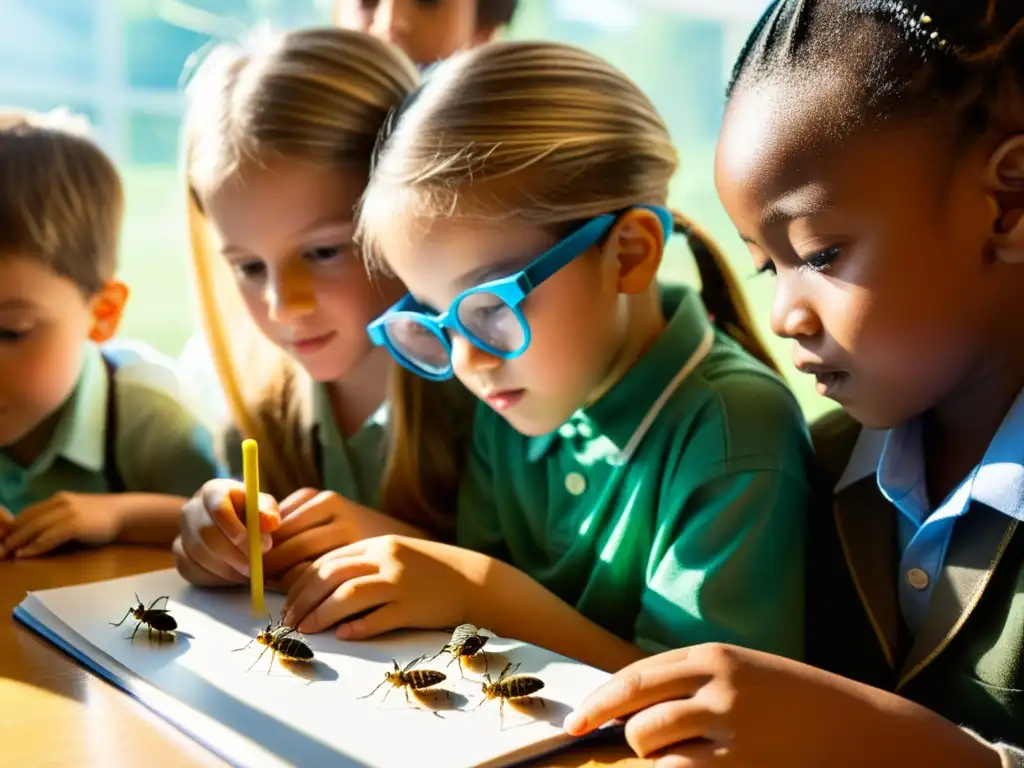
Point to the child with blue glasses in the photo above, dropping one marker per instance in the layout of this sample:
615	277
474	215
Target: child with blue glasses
637	479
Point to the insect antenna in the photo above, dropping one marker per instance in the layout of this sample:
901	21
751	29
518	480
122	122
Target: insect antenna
236	650
122	620
386	679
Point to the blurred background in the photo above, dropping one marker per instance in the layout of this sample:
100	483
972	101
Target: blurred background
121	64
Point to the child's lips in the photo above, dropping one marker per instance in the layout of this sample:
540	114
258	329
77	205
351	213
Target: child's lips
503	399
312	343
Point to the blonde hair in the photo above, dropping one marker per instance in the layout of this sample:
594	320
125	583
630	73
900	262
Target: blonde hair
540	133
321	96
61	199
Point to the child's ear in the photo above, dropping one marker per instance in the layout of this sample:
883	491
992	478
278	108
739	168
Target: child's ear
107	310
637	242
1006	192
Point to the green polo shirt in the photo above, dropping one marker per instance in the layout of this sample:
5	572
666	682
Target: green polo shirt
671	510
350	466
160	447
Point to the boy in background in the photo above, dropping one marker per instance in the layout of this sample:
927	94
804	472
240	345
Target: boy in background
427	30
90	451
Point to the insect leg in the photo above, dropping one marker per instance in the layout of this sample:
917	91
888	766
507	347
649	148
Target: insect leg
137	625
272	655
153	604
122	620
258	658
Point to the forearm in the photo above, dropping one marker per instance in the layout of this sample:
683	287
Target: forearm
149	518
513	605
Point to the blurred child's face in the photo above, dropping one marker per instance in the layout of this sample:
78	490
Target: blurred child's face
880	242
44	322
426	30
285	228
577	319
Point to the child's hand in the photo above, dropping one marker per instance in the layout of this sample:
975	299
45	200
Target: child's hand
6	520
313	524
86	517
402	582
719	706
213	548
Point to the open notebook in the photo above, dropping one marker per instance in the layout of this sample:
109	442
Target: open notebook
307	716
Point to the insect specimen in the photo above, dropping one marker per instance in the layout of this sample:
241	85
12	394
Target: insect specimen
407	677
154	618
510	686
278	641
466	642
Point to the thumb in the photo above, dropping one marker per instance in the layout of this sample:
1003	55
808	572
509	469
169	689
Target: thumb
270	516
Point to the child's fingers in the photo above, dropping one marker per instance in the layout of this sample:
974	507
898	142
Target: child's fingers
218	575
313	513
388	617
313	587
668	723
295	500
28	531
638	686
357	595
270	518
216	502
60	533
306	546
40	508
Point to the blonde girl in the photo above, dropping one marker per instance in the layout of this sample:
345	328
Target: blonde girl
637	479
279	136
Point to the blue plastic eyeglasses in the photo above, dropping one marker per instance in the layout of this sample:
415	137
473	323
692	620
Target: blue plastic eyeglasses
488	315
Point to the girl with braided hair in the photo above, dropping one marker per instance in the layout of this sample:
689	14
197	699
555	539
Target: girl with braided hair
872	157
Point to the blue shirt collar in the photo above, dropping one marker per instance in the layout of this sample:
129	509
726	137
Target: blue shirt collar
997	482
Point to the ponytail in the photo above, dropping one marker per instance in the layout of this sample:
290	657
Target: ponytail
720	291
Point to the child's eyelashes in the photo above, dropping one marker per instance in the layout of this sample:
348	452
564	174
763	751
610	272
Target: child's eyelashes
250	269
820	260
325	254
13	335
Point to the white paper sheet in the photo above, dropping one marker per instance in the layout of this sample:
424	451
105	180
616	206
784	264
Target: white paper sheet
308	716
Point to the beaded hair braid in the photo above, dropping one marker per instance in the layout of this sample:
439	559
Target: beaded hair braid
964	57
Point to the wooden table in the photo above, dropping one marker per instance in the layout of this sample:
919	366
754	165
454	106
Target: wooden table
54	712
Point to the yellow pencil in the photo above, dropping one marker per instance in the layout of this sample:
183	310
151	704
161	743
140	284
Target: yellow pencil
251	476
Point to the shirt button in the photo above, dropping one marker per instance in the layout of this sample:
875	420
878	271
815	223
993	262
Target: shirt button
918	579
575	483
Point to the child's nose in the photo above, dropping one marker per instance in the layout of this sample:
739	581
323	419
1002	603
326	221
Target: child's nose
469	358
792	316
289	296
